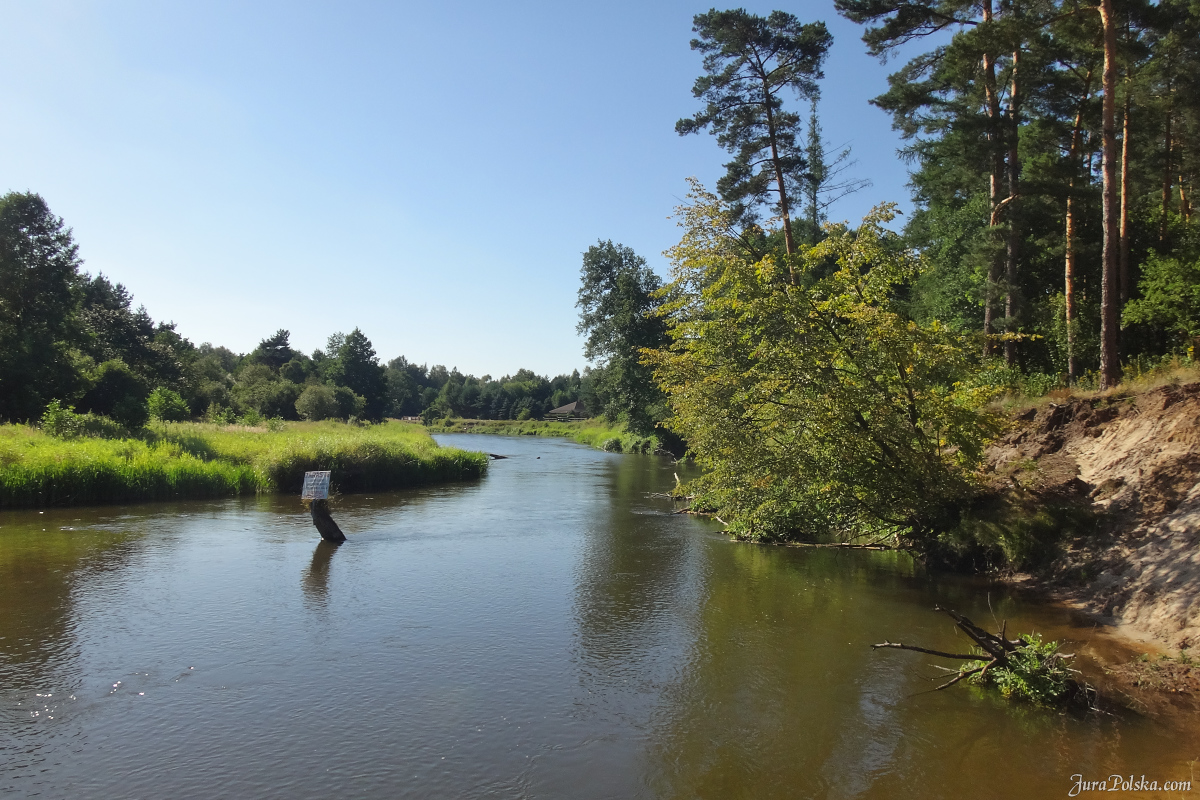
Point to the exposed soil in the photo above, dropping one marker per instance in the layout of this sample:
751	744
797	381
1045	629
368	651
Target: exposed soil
1134	460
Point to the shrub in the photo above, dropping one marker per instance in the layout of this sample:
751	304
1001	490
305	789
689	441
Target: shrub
317	402
166	405
61	421
350	405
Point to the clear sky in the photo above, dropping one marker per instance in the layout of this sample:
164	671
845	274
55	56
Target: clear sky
428	172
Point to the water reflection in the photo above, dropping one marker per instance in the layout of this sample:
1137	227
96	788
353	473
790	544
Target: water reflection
43	562
315	581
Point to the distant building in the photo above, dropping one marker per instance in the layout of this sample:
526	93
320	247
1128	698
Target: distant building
576	410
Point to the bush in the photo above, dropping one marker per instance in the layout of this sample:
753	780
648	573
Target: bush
612	445
349	404
61	421
166	405
317	402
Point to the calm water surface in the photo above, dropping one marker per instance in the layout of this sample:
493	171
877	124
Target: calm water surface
550	631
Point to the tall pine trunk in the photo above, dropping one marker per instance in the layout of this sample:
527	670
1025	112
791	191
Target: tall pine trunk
1125	277
1011	291
1166	179
1069	234
788	241
997	171
1110	306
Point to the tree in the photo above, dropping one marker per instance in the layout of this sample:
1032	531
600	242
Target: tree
40	287
616	311
119	393
362	373
822	183
317	402
166	405
749	63
274	351
816	408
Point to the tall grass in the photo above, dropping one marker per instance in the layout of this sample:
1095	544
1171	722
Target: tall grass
594	433
196	460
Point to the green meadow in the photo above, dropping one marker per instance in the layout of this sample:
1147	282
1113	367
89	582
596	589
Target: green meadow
186	460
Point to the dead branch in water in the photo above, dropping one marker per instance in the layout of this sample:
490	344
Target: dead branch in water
1028	668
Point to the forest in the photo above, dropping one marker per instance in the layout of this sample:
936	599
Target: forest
76	340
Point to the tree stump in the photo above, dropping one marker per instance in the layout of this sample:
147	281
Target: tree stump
328	529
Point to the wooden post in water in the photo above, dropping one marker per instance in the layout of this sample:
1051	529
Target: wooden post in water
316	490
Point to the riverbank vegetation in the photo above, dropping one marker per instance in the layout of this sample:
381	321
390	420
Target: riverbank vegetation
614	438
843	382
167	461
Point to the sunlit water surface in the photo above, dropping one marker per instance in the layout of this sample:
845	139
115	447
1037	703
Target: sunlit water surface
550	631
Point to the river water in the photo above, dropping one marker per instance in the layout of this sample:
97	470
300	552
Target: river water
550	631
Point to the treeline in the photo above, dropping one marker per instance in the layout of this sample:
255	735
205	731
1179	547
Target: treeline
1055	150
75	340
835	381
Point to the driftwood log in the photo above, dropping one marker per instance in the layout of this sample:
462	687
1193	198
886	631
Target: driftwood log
328	529
997	649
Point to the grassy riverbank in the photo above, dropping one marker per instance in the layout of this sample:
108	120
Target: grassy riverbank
197	460
594	433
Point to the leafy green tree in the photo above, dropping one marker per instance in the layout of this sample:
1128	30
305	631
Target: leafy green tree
118	393
39	291
349	404
750	62
112	329
260	390
317	402
1170	289
617	305
167	405
816	409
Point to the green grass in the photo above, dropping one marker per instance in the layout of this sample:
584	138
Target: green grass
197	460
594	433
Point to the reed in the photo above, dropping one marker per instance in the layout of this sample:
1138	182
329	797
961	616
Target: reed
195	460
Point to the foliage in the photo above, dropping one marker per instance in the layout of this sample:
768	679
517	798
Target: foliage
1036	672
118	393
363	376
62	422
749	63
616	305
816	408
39	287
166	405
198	460
316	403
1170	297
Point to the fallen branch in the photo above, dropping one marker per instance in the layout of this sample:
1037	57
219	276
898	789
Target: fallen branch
1024	667
901	646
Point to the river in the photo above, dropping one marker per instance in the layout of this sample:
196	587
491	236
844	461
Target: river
549	631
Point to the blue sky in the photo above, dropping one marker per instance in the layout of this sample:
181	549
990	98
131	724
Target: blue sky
428	172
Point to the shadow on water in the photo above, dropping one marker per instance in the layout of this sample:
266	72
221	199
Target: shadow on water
315	581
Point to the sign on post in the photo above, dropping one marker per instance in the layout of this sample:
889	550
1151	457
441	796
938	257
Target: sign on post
316	486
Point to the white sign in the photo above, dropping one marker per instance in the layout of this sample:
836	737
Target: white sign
316	486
